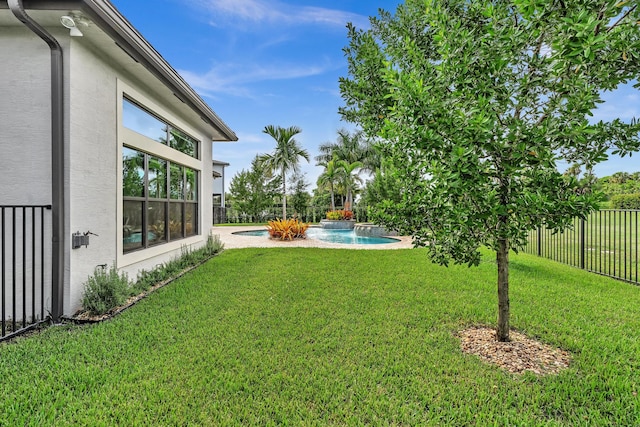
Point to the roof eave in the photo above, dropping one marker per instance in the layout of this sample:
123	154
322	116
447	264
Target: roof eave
136	46
112	22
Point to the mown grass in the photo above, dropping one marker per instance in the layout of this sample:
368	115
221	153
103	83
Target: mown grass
333	337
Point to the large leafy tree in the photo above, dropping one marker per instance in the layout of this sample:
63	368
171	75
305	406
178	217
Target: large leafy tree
477	102
620	183
285	157
252	191
300	198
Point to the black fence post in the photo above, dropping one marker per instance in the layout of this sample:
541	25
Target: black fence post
540	241
582	243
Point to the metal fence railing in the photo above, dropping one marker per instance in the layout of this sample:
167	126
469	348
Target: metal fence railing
25	267
228	215
607	243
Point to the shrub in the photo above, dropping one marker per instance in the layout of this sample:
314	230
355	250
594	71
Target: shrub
287	229
626	201
105	290
187	258
340	215
333	215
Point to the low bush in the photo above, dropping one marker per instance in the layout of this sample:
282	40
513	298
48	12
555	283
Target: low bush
333	215
186	259
625	201
287	229
105	289
340	215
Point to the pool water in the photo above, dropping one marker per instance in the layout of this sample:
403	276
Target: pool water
347	237
137	237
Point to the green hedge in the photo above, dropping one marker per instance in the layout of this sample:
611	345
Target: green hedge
626	201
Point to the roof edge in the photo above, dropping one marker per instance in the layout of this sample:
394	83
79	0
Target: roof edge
130	40
109	19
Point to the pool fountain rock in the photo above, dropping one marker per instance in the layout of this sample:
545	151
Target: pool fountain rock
338	224
372	230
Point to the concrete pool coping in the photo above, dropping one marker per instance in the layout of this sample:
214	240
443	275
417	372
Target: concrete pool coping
235	241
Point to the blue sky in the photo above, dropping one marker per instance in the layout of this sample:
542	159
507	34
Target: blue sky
261	62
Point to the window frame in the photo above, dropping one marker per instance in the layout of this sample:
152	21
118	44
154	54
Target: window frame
150	147
185	203
168	131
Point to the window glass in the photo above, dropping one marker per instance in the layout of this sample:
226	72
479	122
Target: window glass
191	218
183	142
132	225
132	173
156	217
157	178
191	189
143	122
176	182
175	221
160	198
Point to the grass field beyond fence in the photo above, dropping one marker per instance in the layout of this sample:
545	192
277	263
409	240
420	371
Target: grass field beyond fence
607	242
334	337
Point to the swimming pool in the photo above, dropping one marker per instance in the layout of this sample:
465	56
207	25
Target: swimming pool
347	237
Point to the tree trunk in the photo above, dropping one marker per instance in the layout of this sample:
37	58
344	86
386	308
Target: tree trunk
502	258
284	196
333	201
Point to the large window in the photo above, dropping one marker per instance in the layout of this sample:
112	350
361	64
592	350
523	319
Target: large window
160	200
140	120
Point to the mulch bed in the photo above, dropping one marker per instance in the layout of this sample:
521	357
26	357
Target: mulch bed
517	356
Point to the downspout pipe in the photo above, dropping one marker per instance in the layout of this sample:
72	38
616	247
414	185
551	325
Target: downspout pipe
57	159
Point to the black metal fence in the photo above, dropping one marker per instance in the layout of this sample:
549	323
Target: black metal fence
312	214
607	243
25	247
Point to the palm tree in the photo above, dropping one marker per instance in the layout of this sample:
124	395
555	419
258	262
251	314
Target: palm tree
350	147
329	177
285	157
350	179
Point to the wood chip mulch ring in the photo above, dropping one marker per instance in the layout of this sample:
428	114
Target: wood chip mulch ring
517	356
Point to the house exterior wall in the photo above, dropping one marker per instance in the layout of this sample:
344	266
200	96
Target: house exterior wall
92	190
25	169
25	118
95	193
93	138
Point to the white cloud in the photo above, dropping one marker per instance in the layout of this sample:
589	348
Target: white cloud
279	13
232	78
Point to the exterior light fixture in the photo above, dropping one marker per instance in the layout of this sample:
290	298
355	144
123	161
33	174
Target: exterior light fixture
68	22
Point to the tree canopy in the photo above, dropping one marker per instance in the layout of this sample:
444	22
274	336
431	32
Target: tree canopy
253	191
476	102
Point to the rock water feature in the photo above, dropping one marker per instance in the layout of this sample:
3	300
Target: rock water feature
337	224
367	229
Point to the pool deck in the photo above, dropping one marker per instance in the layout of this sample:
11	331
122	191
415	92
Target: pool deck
234	241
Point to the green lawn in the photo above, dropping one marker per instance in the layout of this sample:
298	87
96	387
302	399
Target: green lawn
333	337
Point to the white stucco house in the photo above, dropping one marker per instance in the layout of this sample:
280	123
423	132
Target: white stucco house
98	126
